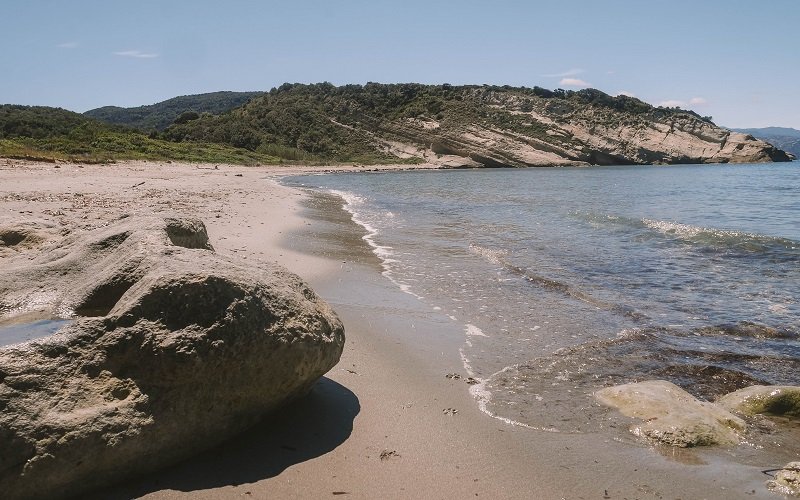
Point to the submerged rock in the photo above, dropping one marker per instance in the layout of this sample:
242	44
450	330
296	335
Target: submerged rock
787	480
183	349
783	400
671	415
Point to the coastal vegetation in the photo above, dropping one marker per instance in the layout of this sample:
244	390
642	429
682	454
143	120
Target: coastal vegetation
50	134
455	126
484	125
161	115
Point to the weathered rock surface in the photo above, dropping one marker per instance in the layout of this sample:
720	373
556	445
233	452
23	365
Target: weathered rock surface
173	350
575	135
764	399
671	415
787	480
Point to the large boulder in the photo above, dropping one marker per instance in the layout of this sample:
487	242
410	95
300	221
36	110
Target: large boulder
783	400
669	415
172	350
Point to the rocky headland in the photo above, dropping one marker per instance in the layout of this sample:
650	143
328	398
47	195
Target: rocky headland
443	125
474	126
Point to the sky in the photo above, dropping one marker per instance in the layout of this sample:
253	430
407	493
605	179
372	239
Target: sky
735	60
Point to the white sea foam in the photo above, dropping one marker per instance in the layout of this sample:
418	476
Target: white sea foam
495	256
778	308
483	396
687	231
479	391
353	205
675	228
474	331
628	332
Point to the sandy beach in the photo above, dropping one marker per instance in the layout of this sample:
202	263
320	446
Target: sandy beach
386	422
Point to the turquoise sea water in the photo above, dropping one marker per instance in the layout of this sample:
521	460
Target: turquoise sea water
570	279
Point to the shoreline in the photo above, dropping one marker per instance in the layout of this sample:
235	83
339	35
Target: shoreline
378	424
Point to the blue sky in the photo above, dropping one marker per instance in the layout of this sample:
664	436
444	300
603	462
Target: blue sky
736	60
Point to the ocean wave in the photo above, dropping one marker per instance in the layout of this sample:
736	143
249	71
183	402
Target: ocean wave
473	331
556	390
499	257
355	205
709	237
483	397
494	256
721	238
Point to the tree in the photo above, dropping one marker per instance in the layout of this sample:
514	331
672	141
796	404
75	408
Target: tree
186	116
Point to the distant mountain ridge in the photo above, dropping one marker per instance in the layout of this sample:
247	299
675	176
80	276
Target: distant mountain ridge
162	114
779	131
471	126
787	139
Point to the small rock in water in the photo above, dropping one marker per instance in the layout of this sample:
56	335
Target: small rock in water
781	400
671	415
787	480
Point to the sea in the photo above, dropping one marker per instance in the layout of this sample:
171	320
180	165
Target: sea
567	280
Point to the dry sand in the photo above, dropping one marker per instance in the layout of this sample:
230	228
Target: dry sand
381	424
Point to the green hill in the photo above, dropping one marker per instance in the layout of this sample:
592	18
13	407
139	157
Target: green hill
470	126
44	133
451	126
160	115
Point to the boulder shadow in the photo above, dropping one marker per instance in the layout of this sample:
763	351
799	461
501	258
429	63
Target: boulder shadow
306	428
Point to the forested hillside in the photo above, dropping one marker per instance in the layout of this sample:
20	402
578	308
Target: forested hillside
44	133
161	115
451	126
470	126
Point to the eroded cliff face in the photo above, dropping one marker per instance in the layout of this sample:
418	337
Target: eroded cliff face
562	134
471	126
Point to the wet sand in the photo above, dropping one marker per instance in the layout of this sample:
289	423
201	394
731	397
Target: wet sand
386	422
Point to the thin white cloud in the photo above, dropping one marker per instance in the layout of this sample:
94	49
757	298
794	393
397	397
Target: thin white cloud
569	72
574	82
67	45
626	93
136	53
694	101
